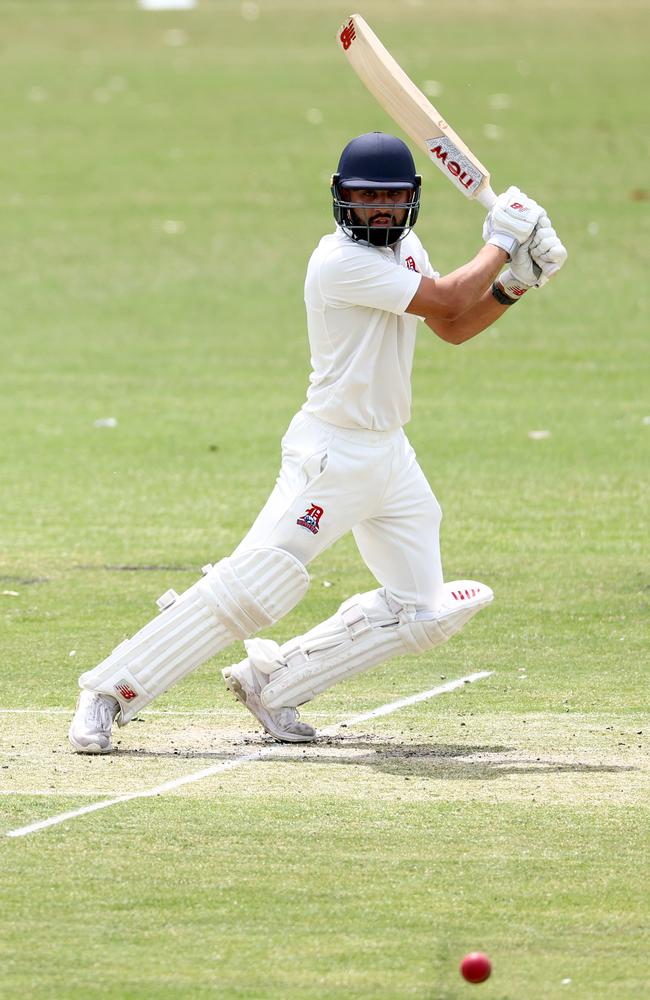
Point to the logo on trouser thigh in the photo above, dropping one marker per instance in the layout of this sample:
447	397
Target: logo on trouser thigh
311	519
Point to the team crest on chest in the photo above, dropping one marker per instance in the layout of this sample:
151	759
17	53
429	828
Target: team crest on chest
311	518
410	263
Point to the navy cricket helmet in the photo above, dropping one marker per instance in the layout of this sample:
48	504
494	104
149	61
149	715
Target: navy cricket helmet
375	160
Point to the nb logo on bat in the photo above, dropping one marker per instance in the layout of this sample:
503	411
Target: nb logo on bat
311	519
348	35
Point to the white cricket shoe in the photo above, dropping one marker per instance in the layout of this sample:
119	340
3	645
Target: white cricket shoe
246	683
90	729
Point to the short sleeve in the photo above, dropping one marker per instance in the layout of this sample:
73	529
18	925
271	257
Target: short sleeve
427	268
360	276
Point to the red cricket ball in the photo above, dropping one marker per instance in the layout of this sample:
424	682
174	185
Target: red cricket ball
475	967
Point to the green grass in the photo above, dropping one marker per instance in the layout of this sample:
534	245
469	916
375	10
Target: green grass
510	816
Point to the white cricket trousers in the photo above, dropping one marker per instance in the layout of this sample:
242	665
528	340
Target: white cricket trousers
336	479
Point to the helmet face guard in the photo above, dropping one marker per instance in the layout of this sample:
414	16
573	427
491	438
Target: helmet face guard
363	232
381	162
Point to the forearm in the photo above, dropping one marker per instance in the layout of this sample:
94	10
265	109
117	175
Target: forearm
472	322
463	289
445	300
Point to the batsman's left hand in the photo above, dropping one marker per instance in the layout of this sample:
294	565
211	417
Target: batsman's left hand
511	220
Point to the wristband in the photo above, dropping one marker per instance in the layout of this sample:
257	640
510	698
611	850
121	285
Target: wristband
512	286
501	296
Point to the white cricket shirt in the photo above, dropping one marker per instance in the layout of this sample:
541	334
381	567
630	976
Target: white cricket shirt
362	342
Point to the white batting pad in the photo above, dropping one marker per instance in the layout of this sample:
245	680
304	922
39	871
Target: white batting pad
236	598
461	600
366	630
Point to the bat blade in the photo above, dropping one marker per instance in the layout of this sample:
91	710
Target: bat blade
412	111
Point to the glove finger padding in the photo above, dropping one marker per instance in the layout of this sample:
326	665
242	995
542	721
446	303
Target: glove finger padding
548	252
548	248
541	234
524	269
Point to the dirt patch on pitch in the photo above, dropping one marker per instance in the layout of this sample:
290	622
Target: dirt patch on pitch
546	759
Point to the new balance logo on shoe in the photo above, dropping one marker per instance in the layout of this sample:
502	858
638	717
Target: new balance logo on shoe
464	595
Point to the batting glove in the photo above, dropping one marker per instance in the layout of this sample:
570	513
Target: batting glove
534	262
522	274
511	220
547	250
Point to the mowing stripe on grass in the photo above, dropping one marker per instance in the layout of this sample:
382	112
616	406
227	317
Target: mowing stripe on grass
60	710
228	765
382	710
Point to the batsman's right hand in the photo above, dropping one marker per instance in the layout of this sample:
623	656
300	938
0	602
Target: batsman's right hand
547	250
511	220
537	260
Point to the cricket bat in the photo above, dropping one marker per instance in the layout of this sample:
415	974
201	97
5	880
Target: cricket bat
410	109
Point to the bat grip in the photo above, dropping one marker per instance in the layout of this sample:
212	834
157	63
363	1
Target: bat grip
486	197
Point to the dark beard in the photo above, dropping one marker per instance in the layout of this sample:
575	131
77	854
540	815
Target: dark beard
377	236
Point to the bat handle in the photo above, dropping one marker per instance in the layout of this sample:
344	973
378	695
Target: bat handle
487	197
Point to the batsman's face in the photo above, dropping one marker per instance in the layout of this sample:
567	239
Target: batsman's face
379	207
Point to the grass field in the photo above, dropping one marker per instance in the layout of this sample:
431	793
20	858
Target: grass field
164	178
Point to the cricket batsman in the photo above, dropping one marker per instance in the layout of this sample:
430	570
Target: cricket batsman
347	465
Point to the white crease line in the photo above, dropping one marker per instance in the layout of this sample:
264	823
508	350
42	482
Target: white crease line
167	786
413	699
229	765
